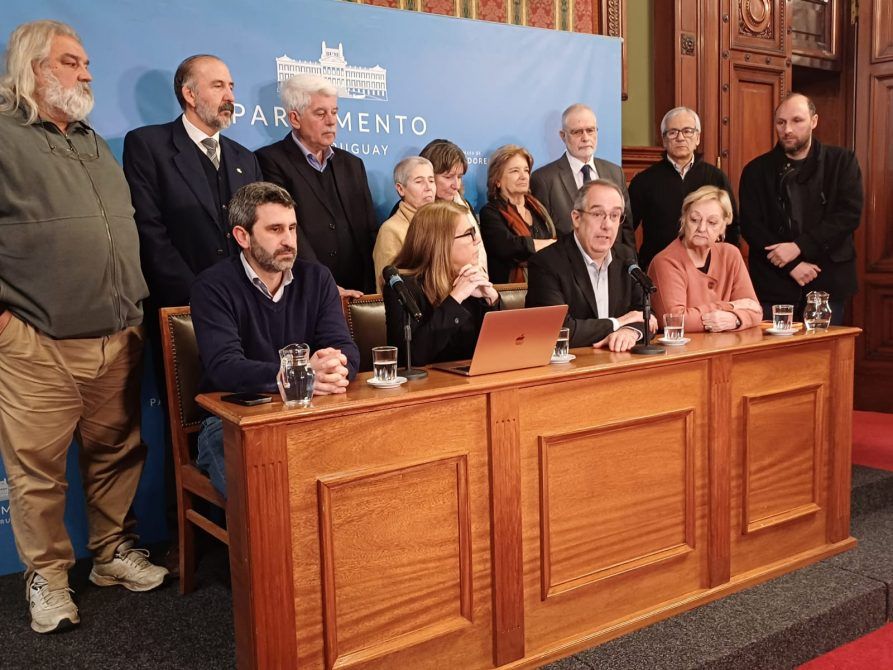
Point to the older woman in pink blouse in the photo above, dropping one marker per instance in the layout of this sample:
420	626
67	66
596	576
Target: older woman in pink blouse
701	276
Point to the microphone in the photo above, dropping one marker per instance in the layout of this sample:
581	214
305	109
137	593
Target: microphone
393	279
640	277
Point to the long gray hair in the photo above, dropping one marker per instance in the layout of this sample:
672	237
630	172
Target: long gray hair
29	43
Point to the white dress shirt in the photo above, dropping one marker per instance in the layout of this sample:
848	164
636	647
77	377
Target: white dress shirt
197	136
598	277
253	277
577	168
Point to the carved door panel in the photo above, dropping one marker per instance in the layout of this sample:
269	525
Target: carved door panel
873	305
754	75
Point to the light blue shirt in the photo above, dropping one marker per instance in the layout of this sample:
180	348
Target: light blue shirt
253	277
311	157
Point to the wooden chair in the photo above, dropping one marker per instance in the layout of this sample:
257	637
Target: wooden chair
181	374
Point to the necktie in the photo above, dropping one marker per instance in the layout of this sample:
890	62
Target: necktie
210	145
587	173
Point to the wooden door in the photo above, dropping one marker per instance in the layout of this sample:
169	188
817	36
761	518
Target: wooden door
873	305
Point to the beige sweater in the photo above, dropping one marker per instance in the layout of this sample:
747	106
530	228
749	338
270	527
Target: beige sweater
390	239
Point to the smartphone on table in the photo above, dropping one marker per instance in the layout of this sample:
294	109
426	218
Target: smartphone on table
247	399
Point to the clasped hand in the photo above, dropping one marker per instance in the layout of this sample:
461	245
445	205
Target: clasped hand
472	281
330	367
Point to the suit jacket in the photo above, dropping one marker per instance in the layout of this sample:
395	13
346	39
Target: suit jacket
554	186
283	163
181	231
557	275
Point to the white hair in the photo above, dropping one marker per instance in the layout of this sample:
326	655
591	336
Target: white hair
404	168
676	111
296	91
28	44
576	107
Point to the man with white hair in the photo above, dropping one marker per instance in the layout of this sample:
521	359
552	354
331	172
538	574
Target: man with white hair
70	333
556	184
182	175
334	205
658	191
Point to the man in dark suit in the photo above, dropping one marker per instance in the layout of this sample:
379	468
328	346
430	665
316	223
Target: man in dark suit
556	184
333	202
583	272
182	175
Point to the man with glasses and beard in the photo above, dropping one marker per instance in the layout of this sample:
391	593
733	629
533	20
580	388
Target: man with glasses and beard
182	174
71	295
250	306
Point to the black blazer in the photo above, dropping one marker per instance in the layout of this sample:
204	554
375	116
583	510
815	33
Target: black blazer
181	232
557	275
283	163
448	332
554	186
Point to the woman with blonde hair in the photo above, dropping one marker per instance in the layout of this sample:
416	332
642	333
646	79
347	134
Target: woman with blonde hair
701	276
439	263
514	224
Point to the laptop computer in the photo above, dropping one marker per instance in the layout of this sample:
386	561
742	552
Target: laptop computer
512	339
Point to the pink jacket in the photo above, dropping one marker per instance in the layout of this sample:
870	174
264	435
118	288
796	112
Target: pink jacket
682	288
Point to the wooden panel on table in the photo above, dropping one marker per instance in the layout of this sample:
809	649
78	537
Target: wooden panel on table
613	519
873	305
415	515
259	517
598	521
505	515
394	538
719	456
841	432
779	476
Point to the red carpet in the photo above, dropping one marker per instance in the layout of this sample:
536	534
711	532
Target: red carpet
873	440
872	652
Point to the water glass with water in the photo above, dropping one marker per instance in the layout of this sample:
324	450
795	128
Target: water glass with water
674	327
384	364
782	317
296	377
562	344
817	313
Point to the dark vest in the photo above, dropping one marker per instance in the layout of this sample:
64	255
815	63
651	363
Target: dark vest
220	190
346	265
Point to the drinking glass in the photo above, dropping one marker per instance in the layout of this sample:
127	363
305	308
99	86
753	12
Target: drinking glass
384	363
782	317
562	348
674	327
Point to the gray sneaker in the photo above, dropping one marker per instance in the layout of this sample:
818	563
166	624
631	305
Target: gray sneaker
129	568
51	609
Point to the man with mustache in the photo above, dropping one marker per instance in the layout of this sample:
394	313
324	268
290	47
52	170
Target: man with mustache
248	307
71	340
801	202
182	174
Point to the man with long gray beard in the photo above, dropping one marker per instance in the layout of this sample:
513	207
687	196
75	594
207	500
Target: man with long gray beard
71	341
182	174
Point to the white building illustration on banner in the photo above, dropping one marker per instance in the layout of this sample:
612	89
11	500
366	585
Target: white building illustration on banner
352	81
4	490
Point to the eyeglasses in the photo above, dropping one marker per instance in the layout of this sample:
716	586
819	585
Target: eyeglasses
69	150
471	232
599	215
673	133
579	132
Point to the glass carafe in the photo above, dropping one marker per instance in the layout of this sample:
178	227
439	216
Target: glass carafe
296	377
817	313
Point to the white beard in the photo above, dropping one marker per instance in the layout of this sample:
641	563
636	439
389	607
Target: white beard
74	103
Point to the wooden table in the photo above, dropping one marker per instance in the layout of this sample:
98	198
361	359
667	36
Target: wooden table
510	519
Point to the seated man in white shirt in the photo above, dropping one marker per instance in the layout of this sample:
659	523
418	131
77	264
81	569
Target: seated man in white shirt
580	271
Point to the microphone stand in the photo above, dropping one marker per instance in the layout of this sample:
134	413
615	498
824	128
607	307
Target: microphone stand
409	372
646	348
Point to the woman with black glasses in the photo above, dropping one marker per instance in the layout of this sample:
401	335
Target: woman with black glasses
440	265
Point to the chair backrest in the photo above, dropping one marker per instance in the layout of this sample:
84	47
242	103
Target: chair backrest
182	371
368	327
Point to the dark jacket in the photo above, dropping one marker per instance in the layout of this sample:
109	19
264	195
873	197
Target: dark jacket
448	332
505	248
557	275
181	230
657	194
832	207
283	163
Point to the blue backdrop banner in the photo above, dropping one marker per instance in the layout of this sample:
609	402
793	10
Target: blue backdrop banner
406	78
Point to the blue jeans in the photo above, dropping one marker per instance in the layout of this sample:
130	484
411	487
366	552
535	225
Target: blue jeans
210	452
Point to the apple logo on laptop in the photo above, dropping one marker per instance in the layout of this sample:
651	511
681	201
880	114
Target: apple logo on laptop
519	340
